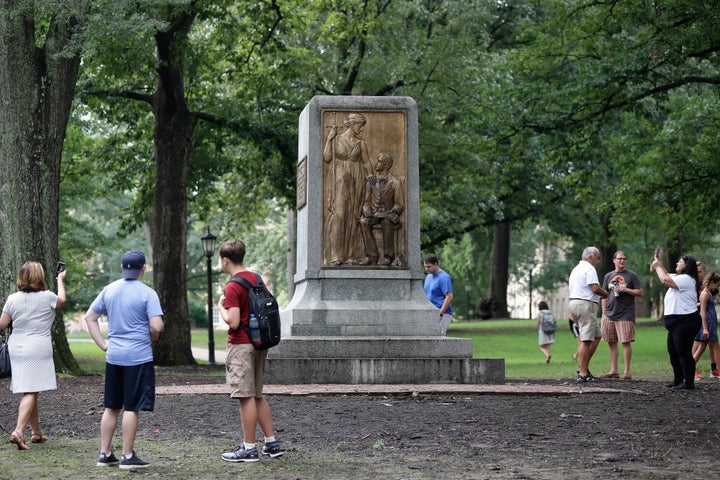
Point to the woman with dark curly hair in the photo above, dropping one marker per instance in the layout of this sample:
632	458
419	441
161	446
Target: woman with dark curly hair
682	319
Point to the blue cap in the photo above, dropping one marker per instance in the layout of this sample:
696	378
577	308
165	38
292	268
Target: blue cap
132	264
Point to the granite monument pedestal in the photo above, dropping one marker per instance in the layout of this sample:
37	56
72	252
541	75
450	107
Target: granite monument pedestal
359	313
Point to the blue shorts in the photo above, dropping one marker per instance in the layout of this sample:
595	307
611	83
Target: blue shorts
131	388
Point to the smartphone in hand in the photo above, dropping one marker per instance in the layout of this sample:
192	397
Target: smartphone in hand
59	268
656	256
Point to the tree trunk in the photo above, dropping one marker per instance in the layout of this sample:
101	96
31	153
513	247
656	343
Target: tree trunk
607	247
173	137
499	260
38	87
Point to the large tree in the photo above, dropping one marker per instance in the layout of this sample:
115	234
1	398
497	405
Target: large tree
587	80
518	130
186	160
39	61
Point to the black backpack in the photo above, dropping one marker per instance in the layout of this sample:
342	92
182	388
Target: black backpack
266	310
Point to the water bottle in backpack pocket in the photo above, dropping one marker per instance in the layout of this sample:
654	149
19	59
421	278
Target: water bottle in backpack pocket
264	313
255	331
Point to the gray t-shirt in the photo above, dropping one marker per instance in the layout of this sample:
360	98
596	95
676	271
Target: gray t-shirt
621	307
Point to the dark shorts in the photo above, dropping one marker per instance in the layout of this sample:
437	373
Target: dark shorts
130	388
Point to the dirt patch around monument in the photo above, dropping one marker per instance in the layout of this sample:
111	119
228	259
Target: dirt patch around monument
614	429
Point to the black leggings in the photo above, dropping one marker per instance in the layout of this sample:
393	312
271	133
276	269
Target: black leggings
681	334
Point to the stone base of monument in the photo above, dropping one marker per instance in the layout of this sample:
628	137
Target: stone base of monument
351	321
378	360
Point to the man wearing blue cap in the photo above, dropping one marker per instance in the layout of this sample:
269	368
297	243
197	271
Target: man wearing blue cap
134	320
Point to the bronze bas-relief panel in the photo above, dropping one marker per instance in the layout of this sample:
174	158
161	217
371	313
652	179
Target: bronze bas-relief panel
364	189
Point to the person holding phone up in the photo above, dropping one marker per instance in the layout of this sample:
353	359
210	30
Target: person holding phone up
31	310
681	317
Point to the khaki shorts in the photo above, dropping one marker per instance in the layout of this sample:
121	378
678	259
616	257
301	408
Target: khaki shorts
585	315
615	331
245	368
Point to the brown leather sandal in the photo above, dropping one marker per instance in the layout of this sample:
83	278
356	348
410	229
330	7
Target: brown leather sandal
38	438
18	440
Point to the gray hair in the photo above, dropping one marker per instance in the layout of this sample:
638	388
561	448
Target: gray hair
589	252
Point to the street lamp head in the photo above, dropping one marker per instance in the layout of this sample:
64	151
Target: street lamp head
531	264
208	244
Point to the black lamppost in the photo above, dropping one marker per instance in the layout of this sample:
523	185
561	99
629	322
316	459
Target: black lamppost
530	266
208	244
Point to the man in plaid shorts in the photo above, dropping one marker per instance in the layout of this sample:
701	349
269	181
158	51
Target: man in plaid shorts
618	313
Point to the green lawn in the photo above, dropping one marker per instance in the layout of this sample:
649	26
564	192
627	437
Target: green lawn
87	354
517	342
513	340
91	358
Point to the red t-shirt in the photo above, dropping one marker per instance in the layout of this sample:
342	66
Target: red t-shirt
237	296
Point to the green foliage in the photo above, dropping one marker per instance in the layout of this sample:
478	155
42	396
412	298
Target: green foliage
197	310
89	240
88	355
596	121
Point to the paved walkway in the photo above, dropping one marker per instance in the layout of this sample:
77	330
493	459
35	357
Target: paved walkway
198	353
202	354
397	389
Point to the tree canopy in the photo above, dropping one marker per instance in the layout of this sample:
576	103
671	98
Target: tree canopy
541	121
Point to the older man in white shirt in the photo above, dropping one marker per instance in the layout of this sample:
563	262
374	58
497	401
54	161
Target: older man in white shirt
585	295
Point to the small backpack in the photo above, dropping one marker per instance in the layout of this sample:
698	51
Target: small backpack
547	322
266	310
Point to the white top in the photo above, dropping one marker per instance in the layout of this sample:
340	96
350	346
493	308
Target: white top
30	344
581	277
681	300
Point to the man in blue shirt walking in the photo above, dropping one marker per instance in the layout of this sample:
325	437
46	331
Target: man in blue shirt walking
438	288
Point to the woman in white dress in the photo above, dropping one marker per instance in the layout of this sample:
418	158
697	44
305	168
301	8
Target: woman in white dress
32	312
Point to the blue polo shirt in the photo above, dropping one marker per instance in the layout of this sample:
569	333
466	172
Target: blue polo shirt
129	305
437	285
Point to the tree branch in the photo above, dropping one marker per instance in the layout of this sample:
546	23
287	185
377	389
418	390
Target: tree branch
663	88
122	94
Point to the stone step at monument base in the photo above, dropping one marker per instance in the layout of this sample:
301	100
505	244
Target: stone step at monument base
288	371
378	360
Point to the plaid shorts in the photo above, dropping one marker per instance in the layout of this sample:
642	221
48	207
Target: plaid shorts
622	331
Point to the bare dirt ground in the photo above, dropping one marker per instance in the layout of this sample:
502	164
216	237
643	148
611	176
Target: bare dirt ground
641	430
